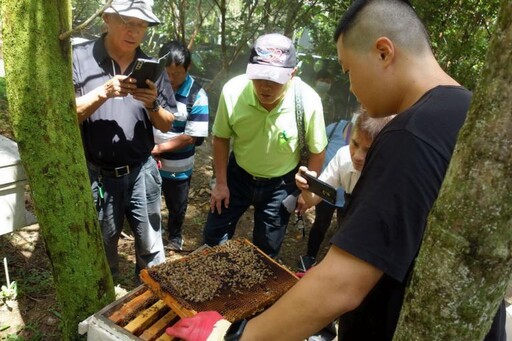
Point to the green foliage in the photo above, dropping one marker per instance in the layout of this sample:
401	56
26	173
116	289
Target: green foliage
9	292
460	32
220	32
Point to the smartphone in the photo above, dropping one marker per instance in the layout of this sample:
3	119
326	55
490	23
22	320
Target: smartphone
147	69
320	188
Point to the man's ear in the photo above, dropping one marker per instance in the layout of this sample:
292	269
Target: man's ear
385	50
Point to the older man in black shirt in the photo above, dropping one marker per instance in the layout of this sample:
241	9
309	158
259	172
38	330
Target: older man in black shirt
117	120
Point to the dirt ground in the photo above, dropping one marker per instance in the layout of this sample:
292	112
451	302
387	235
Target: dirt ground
34	314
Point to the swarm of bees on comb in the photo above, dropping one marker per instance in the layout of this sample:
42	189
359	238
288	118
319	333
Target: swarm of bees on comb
230	268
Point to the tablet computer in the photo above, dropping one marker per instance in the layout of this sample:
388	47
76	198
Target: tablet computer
320	188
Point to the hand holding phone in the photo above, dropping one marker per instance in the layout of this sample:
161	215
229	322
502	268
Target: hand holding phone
144	69
320	188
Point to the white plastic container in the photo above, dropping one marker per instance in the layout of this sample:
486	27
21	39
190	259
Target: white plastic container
12	187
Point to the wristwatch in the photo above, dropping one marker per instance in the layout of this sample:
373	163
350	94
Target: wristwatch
155	107
235	330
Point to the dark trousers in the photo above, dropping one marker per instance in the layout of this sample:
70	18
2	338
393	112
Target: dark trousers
136	196
270	216
176	199
323	216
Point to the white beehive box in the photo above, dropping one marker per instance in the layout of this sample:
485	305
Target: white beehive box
12	187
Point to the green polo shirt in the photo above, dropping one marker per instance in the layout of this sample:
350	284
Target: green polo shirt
265	143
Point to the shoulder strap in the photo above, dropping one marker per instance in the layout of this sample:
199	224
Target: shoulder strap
333	130
299	117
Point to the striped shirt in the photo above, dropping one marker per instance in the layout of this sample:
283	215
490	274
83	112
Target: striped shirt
192	121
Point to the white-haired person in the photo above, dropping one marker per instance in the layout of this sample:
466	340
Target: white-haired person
116	120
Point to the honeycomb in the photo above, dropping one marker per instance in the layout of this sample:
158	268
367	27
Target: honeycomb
236	279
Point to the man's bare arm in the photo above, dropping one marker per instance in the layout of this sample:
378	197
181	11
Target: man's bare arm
316	161
220	193
175	143
337	285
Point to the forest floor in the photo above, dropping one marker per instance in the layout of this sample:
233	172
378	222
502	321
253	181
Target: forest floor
34	313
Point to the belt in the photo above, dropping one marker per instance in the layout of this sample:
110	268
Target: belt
258	178
116	172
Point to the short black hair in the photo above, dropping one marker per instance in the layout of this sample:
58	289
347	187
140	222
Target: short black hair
366	20
349	17
178	54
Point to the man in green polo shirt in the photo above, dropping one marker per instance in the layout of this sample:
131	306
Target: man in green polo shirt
256	113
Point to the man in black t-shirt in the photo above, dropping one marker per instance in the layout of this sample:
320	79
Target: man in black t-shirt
384	49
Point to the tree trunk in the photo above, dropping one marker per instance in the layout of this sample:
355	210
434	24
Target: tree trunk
465	261
42	108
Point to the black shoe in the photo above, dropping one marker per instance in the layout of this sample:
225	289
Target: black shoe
306	262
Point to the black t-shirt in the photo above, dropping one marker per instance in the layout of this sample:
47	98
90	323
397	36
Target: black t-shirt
387	214
119	132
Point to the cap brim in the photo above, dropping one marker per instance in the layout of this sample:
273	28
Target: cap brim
276	74
138	13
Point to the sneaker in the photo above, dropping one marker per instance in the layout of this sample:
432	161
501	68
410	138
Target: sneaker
175	244
306	262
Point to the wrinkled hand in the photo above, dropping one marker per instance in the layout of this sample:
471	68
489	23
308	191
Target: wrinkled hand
205	326
118	86
220	194
146	95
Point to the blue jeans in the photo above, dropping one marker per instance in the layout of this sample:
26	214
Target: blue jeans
136	196
176	199
270	216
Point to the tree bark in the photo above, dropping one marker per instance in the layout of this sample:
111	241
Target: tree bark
43	116
465	262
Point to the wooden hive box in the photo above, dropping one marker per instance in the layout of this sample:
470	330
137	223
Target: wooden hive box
145	312
139	315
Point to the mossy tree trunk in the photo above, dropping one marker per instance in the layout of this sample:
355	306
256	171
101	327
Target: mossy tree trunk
42	108
465	262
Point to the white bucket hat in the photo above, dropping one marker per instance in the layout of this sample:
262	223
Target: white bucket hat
140	9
